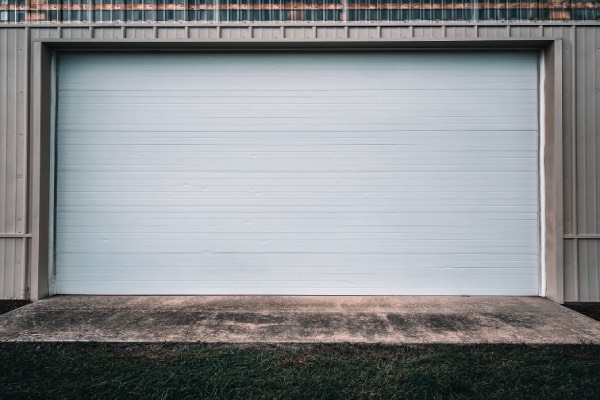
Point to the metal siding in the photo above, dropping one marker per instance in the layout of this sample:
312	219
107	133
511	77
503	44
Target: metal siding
235	33
460	32
585	188
204	33
139	33
567	35
364	33
108	33
345	183
571	280
46	33
396	32
587	131
586	167
494	32
75	33
13	174
570	80
267	33
172	33
330	32
427	32
589	259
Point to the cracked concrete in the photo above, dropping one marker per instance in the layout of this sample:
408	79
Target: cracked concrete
299	319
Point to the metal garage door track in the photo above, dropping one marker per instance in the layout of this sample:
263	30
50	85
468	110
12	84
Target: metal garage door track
276	319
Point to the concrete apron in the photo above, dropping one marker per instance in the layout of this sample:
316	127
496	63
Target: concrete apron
298	319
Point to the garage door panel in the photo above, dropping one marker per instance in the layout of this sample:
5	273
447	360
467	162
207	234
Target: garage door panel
201	196
301	144
255	74
281	240
299	272
219	99
296	134
491	231
432	247
401	157
318	233
192	288
297	173
410	123
520	183
404	278
305	259
272	204
106	110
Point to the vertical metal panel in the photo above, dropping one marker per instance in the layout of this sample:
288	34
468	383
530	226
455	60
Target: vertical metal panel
587	130
331	32
139	33
75	33
11	268
586	166
589	282
364	33
568	79
571	280
235	33
461	32
524	32
13	159
427	32
396	32
555	31
204	33
108	33
172	33
493	32
265	33
300	33
46	33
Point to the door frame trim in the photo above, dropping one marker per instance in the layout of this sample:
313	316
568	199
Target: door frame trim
41	87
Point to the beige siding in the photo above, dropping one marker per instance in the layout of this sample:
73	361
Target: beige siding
585	170
588	259
588	62
13	160
581	121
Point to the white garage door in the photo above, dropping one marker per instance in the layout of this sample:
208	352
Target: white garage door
297	173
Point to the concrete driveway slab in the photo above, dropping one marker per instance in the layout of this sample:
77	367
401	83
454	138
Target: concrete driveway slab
298	319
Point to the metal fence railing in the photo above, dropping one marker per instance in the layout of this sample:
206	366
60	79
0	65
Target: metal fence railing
98	11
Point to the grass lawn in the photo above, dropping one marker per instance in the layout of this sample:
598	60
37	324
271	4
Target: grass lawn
196	371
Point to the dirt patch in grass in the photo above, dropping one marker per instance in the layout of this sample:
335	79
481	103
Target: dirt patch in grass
297	371
591	310
9	305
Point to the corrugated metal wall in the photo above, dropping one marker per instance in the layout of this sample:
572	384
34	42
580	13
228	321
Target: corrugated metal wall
582	279
581	119
13	161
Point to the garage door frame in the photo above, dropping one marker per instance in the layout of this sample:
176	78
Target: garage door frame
41	118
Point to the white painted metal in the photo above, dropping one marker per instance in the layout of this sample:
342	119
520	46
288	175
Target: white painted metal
542	174
298	173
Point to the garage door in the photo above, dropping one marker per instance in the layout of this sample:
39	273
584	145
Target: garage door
297	173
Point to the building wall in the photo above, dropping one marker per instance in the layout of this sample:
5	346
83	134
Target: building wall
13	162
581	122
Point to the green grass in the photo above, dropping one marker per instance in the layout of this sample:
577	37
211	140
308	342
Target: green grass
177	371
